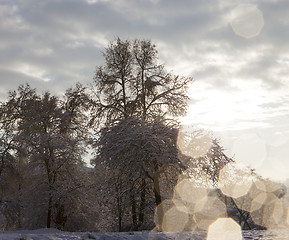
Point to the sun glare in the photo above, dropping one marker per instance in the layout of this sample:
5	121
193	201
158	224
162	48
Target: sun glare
218	110
221	110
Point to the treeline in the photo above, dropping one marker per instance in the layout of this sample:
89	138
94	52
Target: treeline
127	120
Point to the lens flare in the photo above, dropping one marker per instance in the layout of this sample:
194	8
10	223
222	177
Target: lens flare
212	210
247	20
224	229
259	185
272	186
278	211
195	144
261	192
258	201
171	216
174	220
190	194
160	211
264	215
234	182
287	216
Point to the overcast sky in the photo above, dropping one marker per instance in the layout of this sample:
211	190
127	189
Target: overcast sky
237	51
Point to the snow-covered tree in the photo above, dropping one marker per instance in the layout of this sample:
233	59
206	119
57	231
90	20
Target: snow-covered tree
49	134
136	153
133	97
132	83
12	167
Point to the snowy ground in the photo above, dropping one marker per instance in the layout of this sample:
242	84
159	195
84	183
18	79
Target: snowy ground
53	234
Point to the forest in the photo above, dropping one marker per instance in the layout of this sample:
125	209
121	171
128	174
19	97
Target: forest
145	170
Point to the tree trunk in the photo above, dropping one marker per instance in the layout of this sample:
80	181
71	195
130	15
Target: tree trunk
133	209
158	197
241	215
49	211
142	201
19	220
119	213
119	205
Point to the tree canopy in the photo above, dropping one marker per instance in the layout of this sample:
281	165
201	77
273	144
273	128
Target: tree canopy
132	82
146	171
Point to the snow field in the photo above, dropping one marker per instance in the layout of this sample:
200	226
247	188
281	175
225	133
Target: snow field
54	234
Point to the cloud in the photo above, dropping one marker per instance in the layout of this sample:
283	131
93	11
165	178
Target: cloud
64	39
241	85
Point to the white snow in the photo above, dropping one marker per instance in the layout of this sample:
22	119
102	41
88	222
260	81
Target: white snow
54	234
